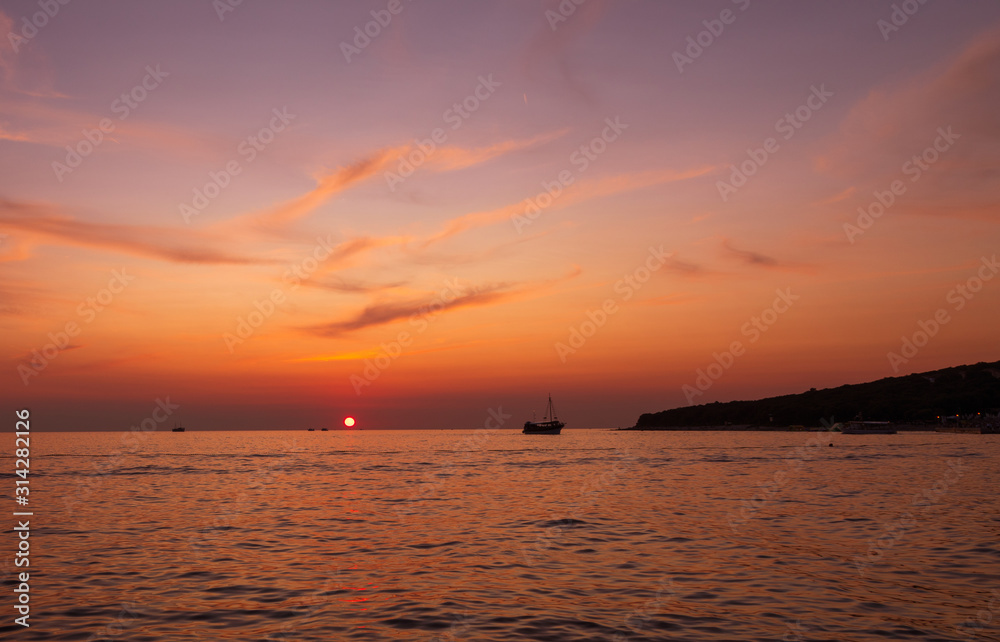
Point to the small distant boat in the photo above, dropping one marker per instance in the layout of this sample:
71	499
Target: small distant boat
177	428
323	429
550	426
867	428
311	429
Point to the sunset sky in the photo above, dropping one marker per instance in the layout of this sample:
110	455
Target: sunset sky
173	174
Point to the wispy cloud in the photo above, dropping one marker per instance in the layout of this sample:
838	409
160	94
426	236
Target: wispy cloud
842	195
387	312
331	183
21	297
36	81
685	268
750	258
896	121
384	312
20	137
168	244
453	158
758	259
346	286
668	299
328	185
28	356
37	121
576	193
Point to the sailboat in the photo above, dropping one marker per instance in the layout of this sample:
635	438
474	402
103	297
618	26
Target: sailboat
177	428
550	426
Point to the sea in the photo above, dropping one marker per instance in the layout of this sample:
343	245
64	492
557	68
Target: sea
448	535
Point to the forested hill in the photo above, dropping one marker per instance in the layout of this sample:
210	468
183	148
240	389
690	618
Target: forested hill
914	398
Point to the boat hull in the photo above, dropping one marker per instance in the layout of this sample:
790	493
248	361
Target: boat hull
543	428
867	428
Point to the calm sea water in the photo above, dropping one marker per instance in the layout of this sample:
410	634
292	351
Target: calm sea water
476	535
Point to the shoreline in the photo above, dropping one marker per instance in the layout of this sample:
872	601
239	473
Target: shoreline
756	428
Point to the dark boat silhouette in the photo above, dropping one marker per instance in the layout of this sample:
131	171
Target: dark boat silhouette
550	426
867	428
177	428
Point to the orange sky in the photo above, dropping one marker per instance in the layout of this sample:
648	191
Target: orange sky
483	206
